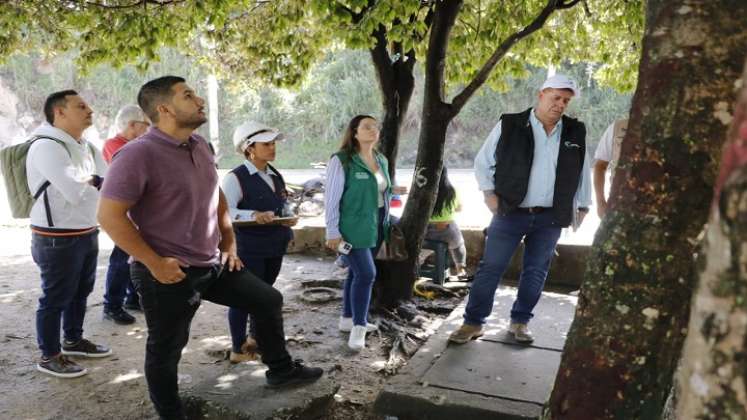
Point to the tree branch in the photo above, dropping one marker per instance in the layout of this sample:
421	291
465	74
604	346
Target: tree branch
563	5
125	6
503	48
357	17
381	60
443	22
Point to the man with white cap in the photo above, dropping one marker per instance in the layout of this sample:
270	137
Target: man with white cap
532	170
255	191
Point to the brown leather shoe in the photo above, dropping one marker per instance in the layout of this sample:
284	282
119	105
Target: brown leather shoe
466	333
248	352
250	346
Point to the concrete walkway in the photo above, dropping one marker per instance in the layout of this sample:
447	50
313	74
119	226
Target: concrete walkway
490	378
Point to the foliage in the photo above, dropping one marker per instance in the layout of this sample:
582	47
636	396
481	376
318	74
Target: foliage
313	115
107	89
279	41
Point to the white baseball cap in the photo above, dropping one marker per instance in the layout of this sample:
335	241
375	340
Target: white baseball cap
254	132
561	81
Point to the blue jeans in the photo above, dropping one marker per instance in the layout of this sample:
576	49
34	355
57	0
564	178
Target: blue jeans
267	269
540	234
68	270
356	293
118	284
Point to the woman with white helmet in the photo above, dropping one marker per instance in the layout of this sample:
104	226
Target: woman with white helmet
256	196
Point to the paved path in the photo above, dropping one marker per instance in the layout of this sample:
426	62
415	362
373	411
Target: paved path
490	378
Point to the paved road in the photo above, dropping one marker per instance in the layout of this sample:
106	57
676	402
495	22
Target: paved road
16	239
474	214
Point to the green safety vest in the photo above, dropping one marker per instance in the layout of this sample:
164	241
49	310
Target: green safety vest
359	206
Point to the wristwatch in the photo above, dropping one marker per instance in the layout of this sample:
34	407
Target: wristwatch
583	209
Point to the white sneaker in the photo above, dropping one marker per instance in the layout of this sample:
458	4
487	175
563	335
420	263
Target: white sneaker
346	324
357	340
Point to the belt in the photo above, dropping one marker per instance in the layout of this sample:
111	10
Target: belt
532	210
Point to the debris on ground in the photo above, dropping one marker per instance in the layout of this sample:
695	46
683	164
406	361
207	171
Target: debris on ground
119	384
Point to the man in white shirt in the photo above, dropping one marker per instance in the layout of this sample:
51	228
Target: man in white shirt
68	172
606	158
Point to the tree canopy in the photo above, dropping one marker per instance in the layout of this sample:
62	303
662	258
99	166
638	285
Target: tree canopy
463	45
278	41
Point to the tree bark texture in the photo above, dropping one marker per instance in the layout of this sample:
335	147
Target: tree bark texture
633	309
396	78
712	380
396	285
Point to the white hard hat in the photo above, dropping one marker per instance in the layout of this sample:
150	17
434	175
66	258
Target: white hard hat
254	132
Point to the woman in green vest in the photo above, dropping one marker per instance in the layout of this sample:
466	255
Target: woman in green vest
357	196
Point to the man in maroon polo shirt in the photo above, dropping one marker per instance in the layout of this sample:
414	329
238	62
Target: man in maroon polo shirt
180	236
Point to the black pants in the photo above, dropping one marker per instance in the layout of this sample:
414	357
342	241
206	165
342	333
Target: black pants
169	309
266	269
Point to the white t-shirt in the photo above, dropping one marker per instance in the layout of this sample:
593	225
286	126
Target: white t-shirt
381	182
608	148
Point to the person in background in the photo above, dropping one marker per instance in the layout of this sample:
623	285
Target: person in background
442	227
130	123
357	198
255	191
605	159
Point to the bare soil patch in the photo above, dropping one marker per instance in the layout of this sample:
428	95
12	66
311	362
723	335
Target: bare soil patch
115	387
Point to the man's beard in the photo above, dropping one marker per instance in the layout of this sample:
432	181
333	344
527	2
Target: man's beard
190	121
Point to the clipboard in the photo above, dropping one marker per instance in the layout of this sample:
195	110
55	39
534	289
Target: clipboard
274	222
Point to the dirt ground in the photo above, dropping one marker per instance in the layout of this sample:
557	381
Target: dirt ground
115	387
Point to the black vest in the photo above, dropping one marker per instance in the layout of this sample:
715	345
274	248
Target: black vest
515	154
261	241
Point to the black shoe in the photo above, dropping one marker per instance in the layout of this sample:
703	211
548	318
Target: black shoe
61	367
133	306
298	374
119	316
85	348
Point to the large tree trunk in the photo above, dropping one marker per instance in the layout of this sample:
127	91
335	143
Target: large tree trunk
712	379
395	283
633	309
396	84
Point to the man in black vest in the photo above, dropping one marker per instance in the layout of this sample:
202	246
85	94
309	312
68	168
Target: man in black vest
533	172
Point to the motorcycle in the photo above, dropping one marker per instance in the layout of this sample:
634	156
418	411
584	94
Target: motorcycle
307	199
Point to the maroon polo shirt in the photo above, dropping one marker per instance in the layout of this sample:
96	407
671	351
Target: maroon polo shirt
173	187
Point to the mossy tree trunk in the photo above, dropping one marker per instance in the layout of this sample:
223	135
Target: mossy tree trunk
713	377
712	380
633	309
